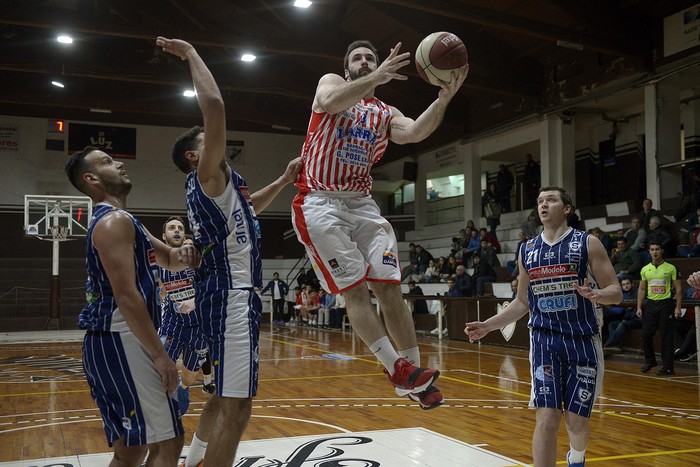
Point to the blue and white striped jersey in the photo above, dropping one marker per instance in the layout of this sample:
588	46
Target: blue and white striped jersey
227	232
554	269
102	311
178	286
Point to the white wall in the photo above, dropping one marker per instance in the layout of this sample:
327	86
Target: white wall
158	184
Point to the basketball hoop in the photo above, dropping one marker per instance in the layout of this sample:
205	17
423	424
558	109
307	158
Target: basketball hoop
59	232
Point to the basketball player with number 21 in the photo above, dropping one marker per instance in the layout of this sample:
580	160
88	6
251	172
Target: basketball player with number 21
352	248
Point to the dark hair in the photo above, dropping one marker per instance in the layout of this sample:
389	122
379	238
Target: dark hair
411	282
173	218
356	45
185	142
655	242
621	239
565	196
76	167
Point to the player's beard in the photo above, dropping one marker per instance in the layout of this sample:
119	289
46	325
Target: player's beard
354	74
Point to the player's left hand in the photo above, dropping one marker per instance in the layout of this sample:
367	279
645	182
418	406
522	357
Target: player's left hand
293	169
586	291
448	90
177	47
189	255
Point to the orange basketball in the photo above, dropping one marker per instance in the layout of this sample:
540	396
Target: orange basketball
438	55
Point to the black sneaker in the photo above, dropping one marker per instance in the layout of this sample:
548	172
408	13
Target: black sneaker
689	357
208	388
665	372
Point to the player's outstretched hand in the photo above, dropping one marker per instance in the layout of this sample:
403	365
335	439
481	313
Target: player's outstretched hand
476	330
586	291
388	70
176	47
293	169
165	366
448	90
189	255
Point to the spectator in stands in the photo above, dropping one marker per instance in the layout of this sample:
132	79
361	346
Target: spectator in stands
483	274
452	266
309	306
531	181
603	237
470	225
302	279
691	249
627	262
291	302
326	301
488	254
312	279
473	244
636	236
463	282
423	258
504	186
491	238
452	288
337	312
513	264
628	321
432	274
529	226
647	213
409	269
492	209
514	287
419	306
659	278
443	268
459	242
657	233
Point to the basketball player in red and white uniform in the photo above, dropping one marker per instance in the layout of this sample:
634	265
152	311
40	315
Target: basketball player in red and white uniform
351	246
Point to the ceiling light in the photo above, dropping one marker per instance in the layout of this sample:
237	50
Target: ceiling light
58	84
281	127
189	93
64	39
496	105
100	111
302	3
248	57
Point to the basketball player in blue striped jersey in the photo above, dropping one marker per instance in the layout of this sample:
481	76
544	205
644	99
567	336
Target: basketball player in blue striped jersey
223	221
565	275
131	376
180	330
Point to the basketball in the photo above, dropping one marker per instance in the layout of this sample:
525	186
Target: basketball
438	55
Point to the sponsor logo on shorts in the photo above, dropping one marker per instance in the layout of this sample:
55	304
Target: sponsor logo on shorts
389	258
586	371
544	373
558	303
544	390
545	272
539	289
333	263
584	395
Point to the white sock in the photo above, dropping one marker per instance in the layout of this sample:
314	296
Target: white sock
384	351
412	355
207	379
196	452
576	456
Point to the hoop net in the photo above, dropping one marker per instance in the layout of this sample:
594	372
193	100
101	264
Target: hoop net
59	232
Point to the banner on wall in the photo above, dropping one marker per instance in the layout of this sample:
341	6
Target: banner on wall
234	151
118	142
9	138
446	157
682	30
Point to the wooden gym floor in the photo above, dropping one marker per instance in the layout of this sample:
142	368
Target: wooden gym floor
320	383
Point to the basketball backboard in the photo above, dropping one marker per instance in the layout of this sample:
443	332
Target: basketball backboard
45	215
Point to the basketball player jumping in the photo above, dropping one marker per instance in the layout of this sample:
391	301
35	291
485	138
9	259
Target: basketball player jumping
224	224
131	377
350	245
566	275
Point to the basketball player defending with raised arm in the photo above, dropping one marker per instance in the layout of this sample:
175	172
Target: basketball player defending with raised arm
350	245
225	228
566	275
131	377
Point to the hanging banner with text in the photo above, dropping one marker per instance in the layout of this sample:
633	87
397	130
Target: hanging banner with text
118	142
9	138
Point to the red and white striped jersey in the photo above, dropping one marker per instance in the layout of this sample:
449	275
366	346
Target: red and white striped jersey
340	149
